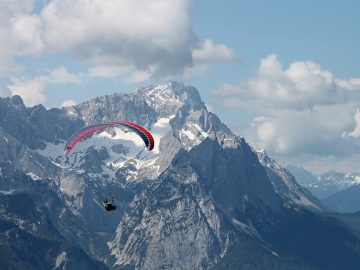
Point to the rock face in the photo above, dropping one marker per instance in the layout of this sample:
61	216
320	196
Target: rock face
29	238
174	209
199	196
286	186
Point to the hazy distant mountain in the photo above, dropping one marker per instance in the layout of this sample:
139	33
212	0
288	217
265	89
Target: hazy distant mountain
345	201
202	199
326	184
302	176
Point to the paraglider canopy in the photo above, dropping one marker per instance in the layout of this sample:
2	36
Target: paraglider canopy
89	130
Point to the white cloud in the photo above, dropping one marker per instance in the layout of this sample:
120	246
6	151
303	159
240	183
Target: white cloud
149	39
352	84
356	132
11	12
308	137
20	32
210	108
32	90
68	103
301	111
61	75
196	70
303	85
294	132
5	92
9	8
141	34
141	75
25	31
105	71
210	52
264	131
127	73
205	54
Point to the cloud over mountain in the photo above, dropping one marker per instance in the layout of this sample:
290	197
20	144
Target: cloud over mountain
147	39
32	89
303	85
301	110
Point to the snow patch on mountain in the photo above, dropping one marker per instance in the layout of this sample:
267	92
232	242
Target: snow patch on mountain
357	179
33	176
191	135
122	135
71	186
187	133
343	180
326	184
8	192
53	151
61	260
165	98
71	112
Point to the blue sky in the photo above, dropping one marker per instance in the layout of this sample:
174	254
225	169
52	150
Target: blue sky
283	74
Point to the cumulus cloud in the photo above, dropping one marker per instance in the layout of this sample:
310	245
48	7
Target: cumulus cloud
352	84
205	54
147	38
62	76
355	133
32	90
210	108
127	73
302	110
151	36
196	70
68	103
19	32
207	51
25	31
5	92
105	71
291	132
303	85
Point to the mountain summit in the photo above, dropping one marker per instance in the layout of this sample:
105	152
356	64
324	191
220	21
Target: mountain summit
203	198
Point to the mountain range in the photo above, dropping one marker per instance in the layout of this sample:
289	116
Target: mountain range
202	199
338	191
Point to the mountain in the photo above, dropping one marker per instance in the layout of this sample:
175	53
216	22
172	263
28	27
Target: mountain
286	185
326	184
345	201
202	199
350	219
28	238
302	176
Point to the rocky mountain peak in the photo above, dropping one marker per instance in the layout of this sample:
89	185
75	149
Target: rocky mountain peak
16	100
14	104
181	206
167	98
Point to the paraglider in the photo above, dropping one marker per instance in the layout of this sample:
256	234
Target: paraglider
108	205
89	130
